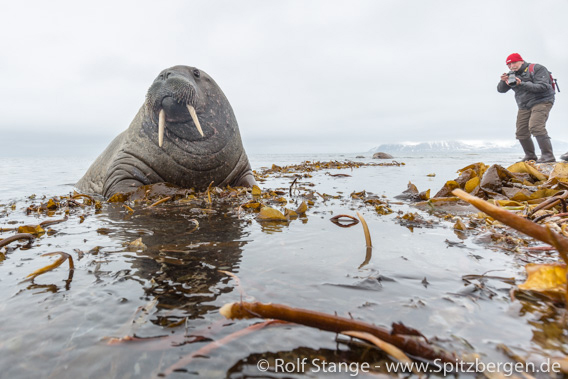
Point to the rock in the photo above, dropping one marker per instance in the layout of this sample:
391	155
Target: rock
382	156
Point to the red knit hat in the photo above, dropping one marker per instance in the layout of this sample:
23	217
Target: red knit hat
515	57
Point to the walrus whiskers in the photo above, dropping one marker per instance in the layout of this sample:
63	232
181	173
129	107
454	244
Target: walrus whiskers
191	110
161	127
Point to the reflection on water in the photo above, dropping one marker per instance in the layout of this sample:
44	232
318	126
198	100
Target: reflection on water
349	359
182	262
134	311
270	227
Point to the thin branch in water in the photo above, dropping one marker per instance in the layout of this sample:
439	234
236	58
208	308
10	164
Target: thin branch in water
542	217
388	348
207	349
292	185
209	192
551	202
79	195
51	222
322	196
62	258
237	282
368	256
539	248
75	202
196	225
160	201
16	237
365	229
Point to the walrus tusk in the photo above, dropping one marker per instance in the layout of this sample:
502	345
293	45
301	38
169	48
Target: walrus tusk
191	110
161	127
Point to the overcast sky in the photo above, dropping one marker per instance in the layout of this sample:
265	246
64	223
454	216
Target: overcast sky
302	76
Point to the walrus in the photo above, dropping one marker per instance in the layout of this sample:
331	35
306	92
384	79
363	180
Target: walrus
185	133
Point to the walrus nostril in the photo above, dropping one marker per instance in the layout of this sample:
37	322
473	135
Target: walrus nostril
164	75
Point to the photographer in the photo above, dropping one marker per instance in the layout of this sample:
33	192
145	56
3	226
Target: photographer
535	96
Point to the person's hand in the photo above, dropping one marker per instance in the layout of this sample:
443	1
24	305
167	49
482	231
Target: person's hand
505	77
518	80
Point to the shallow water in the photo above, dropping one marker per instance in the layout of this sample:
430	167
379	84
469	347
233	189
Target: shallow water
59	326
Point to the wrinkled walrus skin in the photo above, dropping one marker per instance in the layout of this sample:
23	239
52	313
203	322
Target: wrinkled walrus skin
187	157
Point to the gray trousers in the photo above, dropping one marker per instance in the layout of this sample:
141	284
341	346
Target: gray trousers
533	121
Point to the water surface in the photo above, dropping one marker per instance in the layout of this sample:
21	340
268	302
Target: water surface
60	326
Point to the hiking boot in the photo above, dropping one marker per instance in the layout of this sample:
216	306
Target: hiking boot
545	149
564	157
528	148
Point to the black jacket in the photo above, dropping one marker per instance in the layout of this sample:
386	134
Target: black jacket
534	89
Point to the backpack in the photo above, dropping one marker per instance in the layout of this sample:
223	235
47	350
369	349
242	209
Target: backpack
553	81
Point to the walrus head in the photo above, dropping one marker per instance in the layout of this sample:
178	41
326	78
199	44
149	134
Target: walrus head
177	99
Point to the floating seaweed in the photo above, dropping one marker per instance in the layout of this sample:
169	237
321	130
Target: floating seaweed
337	220
62	258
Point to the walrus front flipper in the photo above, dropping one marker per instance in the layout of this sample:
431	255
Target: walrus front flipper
241	174
127	173
124	186
247	180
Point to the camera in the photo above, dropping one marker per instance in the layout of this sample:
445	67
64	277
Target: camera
512	81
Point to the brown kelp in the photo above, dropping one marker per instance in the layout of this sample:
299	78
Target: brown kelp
16	237
409	343
62	258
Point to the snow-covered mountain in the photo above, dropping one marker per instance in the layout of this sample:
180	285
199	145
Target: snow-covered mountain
511	146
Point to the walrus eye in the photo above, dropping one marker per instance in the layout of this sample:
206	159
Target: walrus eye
196	73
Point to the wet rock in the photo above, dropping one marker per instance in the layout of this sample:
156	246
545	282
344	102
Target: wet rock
515	193
494	178
382	156
465	176
412	193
